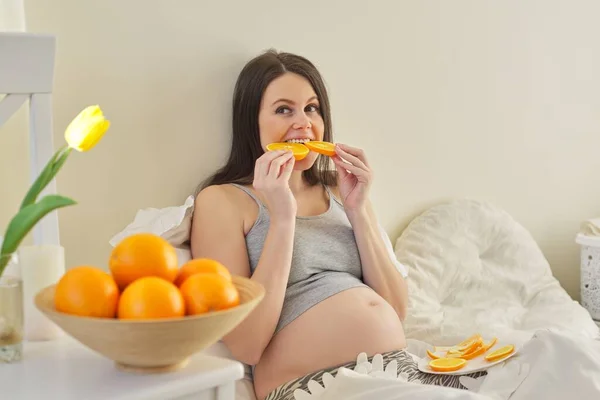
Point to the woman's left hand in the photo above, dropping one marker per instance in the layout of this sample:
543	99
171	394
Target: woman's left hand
354	177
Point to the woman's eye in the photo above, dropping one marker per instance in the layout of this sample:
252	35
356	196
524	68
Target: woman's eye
312	108
283	110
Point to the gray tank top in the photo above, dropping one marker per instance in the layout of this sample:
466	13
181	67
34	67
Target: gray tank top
325	258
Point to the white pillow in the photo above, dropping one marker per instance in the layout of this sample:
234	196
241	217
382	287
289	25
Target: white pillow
473	268
171	223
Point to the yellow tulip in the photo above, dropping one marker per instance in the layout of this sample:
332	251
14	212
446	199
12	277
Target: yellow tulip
86	130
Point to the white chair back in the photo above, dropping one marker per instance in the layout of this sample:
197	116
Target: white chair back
27	75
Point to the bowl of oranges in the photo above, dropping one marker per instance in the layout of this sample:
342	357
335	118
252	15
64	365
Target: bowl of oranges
146	313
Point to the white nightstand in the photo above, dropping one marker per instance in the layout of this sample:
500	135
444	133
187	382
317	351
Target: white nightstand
64	369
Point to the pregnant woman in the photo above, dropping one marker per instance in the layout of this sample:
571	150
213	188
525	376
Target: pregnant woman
306	232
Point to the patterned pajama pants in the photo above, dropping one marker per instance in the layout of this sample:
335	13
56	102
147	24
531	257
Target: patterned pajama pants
406	365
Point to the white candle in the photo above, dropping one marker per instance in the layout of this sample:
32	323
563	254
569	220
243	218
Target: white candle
41	266
12	15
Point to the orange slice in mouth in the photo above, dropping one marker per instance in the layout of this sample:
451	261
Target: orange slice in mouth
325	148
501	353
447	364
299	150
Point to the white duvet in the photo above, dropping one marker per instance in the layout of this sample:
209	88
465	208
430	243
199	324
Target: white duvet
553	365
473	268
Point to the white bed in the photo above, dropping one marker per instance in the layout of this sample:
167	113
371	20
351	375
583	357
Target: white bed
472	268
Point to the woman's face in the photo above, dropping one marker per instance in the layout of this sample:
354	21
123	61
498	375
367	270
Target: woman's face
290	111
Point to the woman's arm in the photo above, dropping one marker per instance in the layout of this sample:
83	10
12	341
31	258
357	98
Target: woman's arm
379	271
218	233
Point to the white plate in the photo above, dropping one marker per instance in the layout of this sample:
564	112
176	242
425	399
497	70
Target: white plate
475	365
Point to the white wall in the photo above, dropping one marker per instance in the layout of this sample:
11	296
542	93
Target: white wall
485	99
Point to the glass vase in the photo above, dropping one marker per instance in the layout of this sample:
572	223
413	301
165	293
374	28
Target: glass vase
11	314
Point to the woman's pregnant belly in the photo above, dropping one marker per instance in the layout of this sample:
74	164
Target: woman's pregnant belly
331	333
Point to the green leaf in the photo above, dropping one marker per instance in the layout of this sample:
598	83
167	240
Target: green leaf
26	219
46	176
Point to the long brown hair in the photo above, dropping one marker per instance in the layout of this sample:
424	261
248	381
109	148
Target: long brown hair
254	78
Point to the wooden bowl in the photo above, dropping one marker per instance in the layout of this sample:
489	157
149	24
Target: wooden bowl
156	345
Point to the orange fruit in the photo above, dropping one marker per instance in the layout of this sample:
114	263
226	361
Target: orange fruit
325	148
151	297
201	265
299	150
88	292
501	353
209	292
447	364
140	255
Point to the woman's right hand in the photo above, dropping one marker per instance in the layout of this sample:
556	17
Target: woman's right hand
272	173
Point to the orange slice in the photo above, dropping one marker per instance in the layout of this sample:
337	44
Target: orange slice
325	148
491	344
466	345
472	349
447	364
469	340
474	345
299	150
501	353
474	353
431	355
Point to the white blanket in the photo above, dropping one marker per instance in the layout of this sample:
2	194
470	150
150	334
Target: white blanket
473	268
553	365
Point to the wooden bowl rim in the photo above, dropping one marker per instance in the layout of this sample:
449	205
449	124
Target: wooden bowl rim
50	309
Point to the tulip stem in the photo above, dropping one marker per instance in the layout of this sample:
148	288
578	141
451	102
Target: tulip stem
48	173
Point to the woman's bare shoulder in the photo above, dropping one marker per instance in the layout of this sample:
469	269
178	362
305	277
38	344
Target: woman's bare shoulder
228	203
225	195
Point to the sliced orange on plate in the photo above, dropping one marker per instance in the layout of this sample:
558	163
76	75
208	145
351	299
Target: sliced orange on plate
432	355
480	349
299	150
466	346
491	344
501	353
447	364
469	340
474	353
468	349
456	357
470	344
325	148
